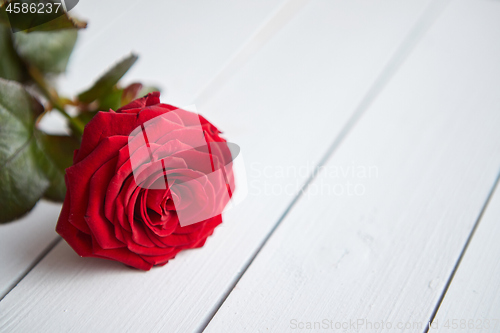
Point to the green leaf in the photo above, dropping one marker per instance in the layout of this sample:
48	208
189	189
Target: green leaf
86	116
111	100
40	19
48	51
106	83
58	151
11	67
21	179
62	22
4	20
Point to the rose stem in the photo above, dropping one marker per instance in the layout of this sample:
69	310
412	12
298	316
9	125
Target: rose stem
53	98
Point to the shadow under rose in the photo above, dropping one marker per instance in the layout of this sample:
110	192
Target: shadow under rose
63	261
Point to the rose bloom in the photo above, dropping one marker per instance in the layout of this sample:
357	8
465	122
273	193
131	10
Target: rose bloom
139	174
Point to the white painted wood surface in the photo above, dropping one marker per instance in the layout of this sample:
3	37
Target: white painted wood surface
182	54
23	241
387	253
472	302
284	108
182	45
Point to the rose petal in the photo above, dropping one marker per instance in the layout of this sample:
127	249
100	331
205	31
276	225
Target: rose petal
123	255
78	240
102	228
78	177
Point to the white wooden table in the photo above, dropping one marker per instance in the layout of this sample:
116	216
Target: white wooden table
371	137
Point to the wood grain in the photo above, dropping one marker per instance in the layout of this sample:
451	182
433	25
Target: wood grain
385	252
284	108
472	302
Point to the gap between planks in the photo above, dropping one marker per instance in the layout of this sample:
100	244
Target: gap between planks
462	253
427	18
35	262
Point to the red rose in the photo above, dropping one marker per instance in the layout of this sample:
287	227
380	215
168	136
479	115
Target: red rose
148	181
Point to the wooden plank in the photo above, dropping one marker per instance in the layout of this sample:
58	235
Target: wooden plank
21	242
182	45
472	301
183	52
283	108
421	163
